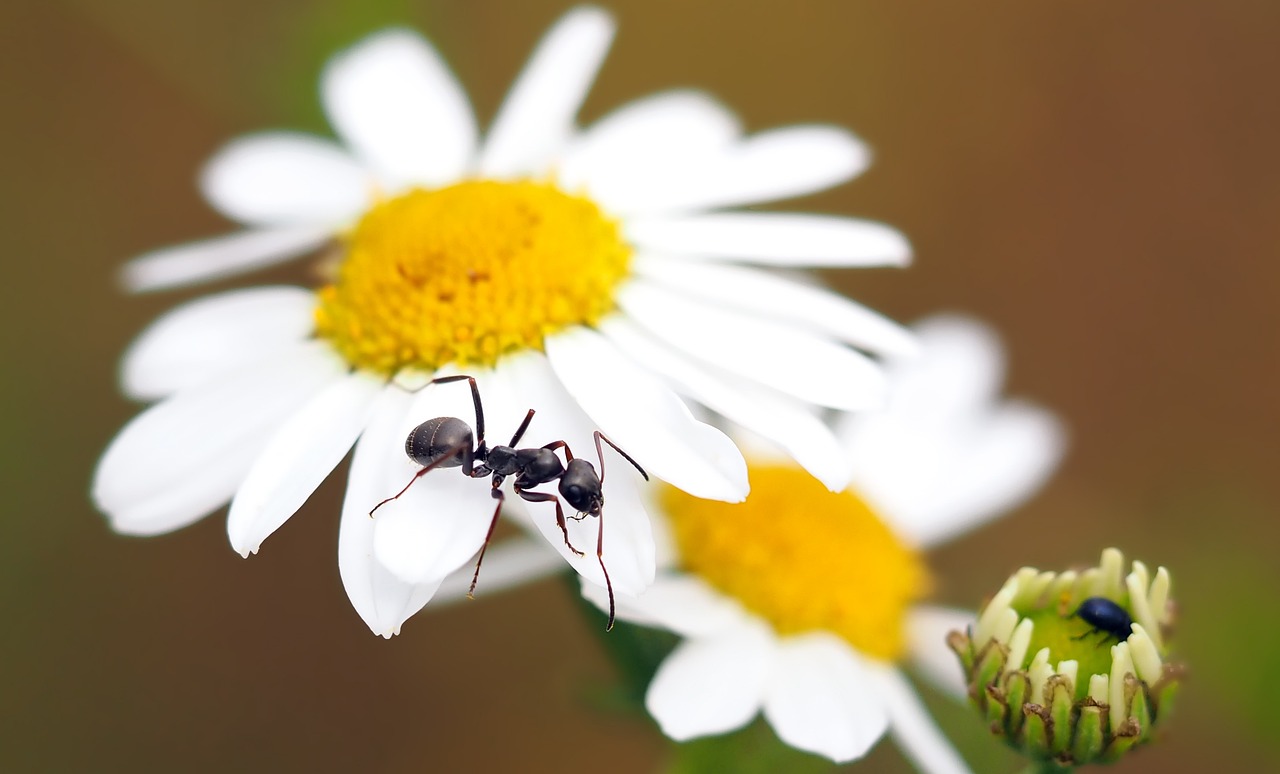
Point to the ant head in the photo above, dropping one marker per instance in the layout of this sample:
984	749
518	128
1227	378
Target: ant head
580	486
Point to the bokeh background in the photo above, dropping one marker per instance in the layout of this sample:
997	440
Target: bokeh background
1099	180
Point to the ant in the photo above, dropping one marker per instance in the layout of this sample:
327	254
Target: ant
1106	617
447	442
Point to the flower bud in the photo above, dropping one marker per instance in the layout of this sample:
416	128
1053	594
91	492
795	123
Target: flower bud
1071	668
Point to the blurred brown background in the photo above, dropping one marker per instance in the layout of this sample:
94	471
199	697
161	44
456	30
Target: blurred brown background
1097	179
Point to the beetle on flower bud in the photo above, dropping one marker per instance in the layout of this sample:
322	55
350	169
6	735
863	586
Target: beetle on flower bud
1046	684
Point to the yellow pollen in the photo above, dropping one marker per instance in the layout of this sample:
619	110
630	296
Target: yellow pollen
803	558
467	273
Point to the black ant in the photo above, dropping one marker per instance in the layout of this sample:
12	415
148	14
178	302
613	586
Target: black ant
446	442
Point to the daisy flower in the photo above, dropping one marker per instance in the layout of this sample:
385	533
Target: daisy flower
803	604
588	274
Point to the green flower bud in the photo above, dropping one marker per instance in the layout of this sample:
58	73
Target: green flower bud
1072	668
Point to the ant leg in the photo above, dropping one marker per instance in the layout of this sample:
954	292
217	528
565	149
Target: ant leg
475	398
419	474
497	494
515	439
602	437
543	497
568	455
608	584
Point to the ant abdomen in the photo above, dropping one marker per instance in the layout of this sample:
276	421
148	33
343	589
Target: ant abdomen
435	438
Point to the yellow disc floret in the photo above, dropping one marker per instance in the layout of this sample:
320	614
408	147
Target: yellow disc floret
803	558
467	273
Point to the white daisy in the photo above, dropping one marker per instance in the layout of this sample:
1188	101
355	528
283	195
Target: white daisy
801	603
578	273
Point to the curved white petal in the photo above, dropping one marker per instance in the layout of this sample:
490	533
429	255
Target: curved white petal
998	465
927	630
822	699
772	165
643	416
185	456
774	354
776	238
805	438
379	468
440	523
282	178
769	293
667	129
958	372
299	455
684	604
712	685
527	381
511	563
220	257
397	105
538	113
915	732
196	341
944	455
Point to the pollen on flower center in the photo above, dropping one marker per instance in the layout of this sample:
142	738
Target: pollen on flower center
466	273
803	558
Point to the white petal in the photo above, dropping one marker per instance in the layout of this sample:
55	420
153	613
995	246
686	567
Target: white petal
769	166
511	563
643	416
777	238
283	178
440	523
684	604
300	455
527	381
185	456
822	699
958	371
915	732
766	293
220	257
378	468
538	113
712	685
944	455
774	354
397	105
806	438
671	128
927	630
192	343
1002	464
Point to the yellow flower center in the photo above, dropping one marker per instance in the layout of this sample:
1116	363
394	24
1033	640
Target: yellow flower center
803	558
467	273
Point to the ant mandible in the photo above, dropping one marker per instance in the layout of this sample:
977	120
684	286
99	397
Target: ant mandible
447	442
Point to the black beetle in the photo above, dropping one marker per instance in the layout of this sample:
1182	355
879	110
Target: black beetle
1105	617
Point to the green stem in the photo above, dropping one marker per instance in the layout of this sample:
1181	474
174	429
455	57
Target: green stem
1045	767
751	750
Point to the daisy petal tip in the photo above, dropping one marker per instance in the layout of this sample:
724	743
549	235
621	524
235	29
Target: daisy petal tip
598	19
900	254
835	482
